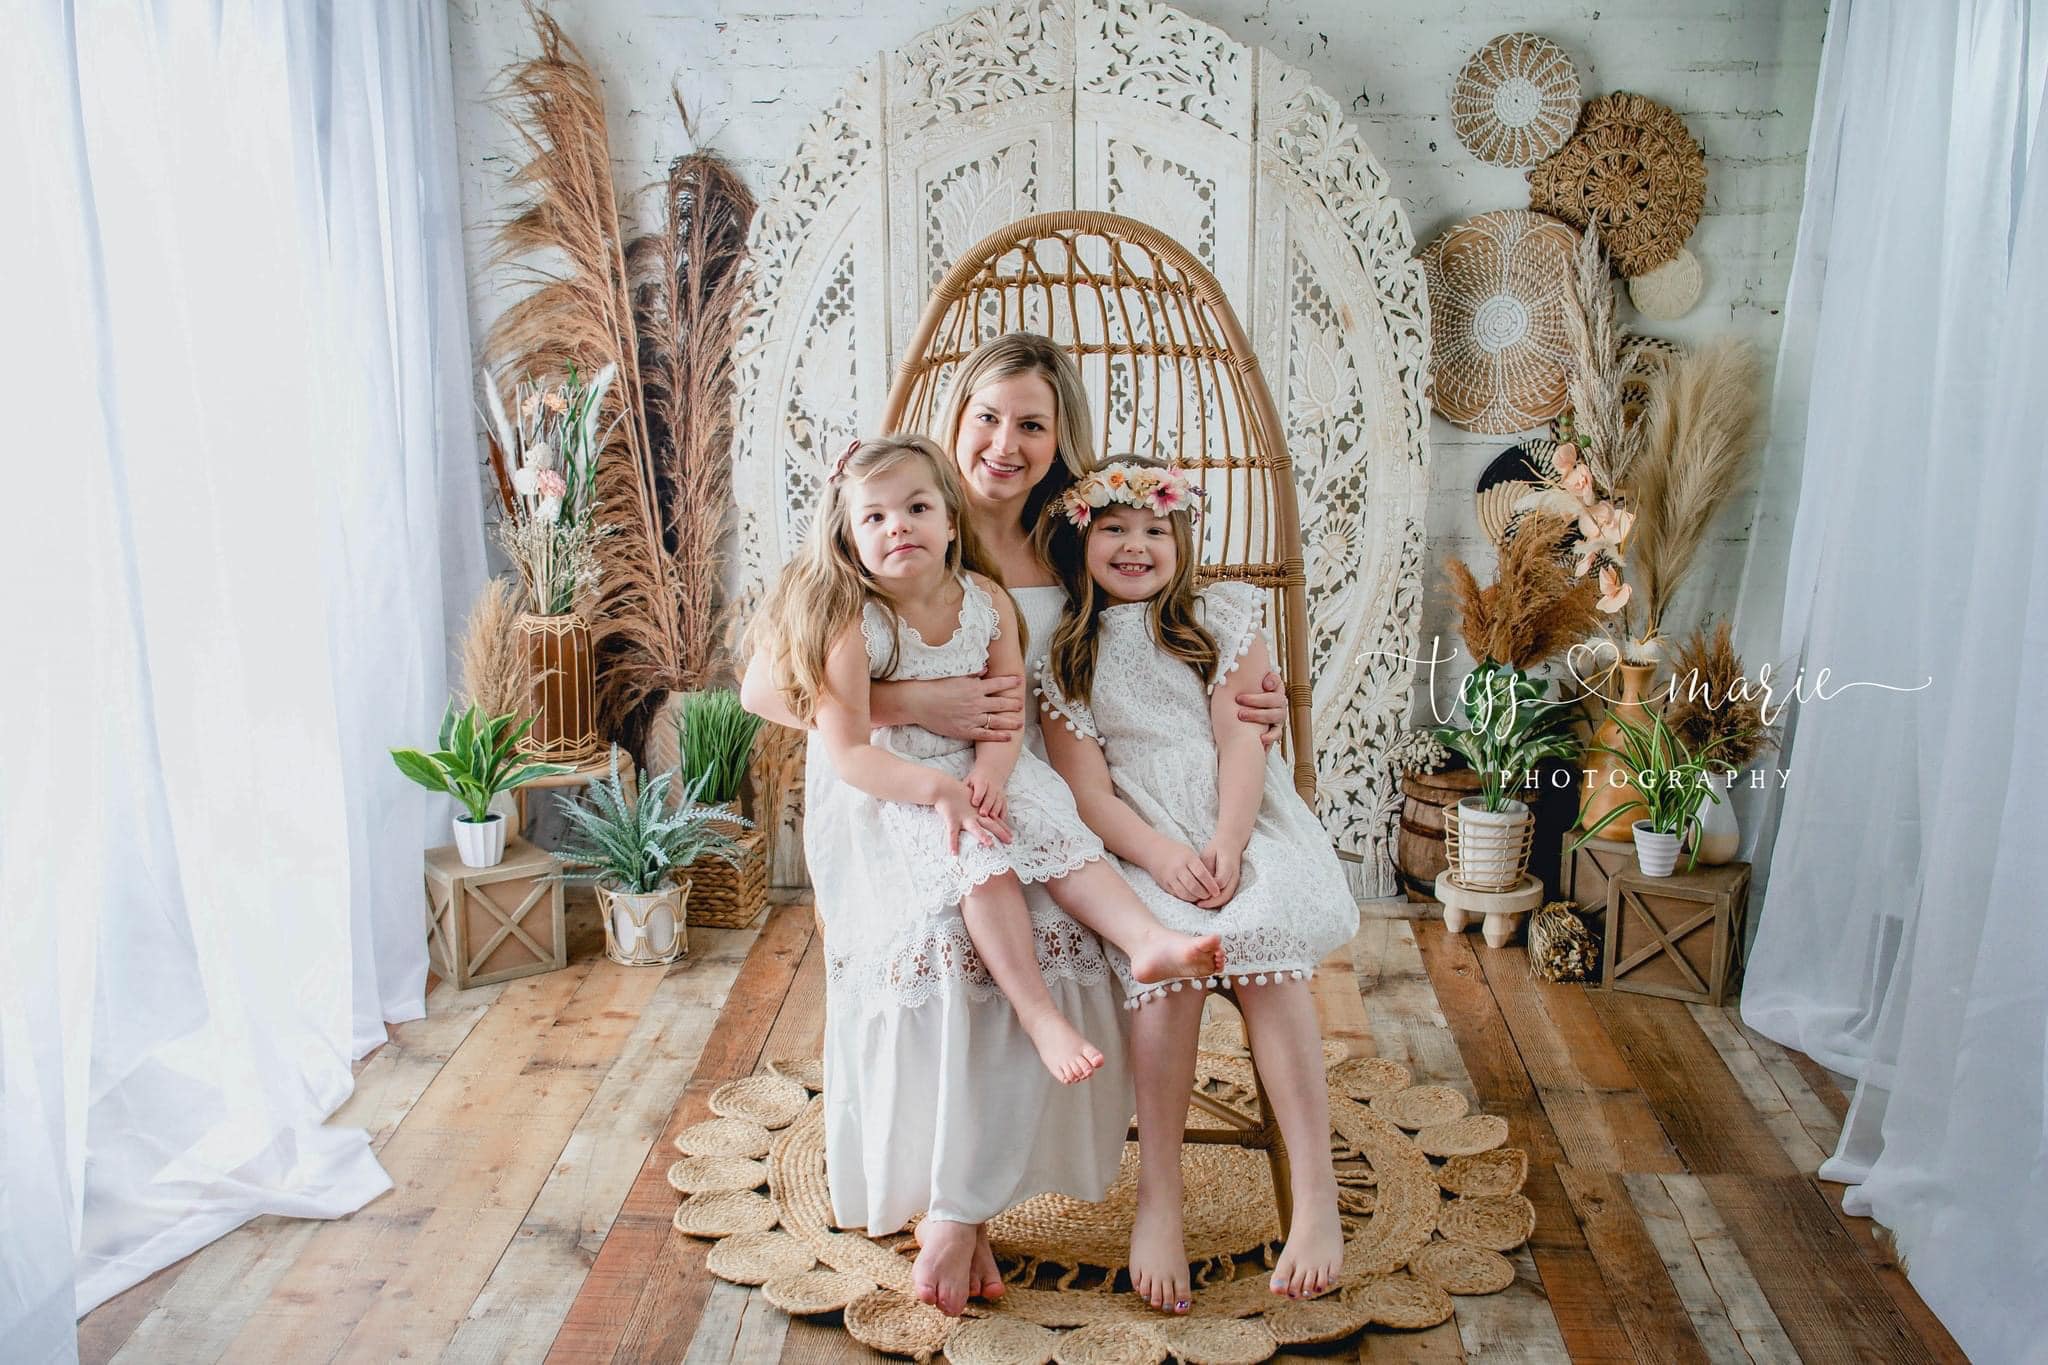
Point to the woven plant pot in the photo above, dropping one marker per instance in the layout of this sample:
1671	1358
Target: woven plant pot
1489	850
644	930
726	895
562	673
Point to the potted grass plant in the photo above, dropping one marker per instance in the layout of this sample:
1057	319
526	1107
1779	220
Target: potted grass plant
714	738
637	848
476	758
1671	783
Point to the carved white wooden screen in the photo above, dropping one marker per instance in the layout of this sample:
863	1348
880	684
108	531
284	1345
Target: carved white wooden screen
1134	108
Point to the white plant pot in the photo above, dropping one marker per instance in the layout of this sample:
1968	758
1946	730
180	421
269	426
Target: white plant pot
1656	854
645	930
1492	846
480	843
1715	832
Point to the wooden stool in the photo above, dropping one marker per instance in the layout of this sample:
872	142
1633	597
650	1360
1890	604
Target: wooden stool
487	924
1499	907
1680	936
594	771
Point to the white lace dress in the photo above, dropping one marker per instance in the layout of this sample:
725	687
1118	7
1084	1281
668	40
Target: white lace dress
934	1097
1150	714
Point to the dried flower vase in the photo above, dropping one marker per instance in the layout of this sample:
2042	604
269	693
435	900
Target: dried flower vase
1609	784
561	667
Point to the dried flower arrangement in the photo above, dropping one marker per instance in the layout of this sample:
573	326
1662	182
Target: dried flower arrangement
494	663
1536	608
551	532
1710	700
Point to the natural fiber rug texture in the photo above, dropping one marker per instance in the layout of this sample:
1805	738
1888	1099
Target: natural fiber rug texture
1429	1196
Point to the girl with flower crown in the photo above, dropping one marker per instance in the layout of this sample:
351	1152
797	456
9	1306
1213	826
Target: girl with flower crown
1210	832
892	583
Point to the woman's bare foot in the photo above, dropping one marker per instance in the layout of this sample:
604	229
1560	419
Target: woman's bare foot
1159	1255
984	1276
1314	1255
1066	1054
1168	956
941	1273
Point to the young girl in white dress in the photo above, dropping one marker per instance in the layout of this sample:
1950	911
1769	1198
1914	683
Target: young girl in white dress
891	583
1212	834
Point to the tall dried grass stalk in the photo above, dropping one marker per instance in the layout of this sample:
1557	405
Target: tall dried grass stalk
1699	434
494	663
688	280
1535	609
1711	699
1608	441
580	314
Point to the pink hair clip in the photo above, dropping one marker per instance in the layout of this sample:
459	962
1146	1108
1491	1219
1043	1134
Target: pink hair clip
839	466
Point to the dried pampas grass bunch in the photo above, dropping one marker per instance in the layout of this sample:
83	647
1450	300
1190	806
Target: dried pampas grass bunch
1535	609
1711	699
494	662
1609	442
1699	434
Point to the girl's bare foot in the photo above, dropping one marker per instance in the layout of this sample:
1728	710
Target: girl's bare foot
1159	1256
984	1277
941	1272
1168	956
1314	1255
1066	1054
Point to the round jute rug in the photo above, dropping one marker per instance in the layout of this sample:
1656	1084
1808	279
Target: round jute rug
1418	1230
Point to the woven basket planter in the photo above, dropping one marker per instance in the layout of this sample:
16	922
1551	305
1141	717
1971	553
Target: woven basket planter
728	896
644	931
562	667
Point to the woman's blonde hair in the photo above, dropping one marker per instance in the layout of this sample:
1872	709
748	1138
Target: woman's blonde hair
821	593
1015	353
1170	612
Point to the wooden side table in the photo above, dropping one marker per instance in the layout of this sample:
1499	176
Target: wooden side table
1584	874
1499	907
591	772
1679	936
487	924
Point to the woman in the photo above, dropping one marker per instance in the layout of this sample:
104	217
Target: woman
987	1127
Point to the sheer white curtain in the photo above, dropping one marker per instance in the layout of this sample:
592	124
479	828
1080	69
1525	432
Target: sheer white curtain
1903	937
243	515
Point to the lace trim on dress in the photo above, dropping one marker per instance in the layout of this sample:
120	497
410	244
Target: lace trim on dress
942	958
1160	991
1073	714
1234	613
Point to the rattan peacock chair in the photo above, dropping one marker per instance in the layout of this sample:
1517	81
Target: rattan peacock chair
1171	374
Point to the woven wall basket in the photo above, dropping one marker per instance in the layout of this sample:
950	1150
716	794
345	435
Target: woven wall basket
1516	100
1670	290
1500	300
1633	169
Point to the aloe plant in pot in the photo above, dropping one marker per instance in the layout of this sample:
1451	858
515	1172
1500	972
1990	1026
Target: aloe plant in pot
1510	728
1671	781
476	757
636	848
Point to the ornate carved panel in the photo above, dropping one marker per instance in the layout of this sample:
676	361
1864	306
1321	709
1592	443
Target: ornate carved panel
1136	108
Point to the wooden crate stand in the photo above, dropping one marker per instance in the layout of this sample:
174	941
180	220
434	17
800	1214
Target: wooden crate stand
1679	937
1584	874
487	924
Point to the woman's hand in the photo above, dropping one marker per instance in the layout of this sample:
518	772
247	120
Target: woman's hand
956	808
1183	871
977	709
1226	865
990	796
1266	705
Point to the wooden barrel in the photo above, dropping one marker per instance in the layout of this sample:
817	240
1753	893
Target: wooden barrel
1419	852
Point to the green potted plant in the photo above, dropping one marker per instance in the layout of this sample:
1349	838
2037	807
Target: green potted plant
636	849
714	741
476	757
1510	728
1671	780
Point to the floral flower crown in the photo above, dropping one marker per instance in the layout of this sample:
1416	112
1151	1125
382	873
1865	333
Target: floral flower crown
1159	491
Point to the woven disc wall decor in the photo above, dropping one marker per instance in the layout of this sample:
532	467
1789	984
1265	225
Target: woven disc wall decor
1077	1248
1670	290
1634	170
1516	100
1500	300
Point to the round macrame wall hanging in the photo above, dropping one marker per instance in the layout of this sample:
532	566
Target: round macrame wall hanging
1633	170
1500	301
1670	290
1516	100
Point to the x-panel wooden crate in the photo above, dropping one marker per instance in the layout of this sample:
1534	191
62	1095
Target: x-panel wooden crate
487	924
1679	936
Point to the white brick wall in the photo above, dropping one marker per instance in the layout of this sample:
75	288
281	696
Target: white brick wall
1741	72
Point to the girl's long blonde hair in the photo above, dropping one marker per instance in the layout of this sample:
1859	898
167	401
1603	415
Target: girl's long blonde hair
1015	353
821	593
1170	612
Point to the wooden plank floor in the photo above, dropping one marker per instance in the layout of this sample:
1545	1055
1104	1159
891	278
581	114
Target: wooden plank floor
526	1130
